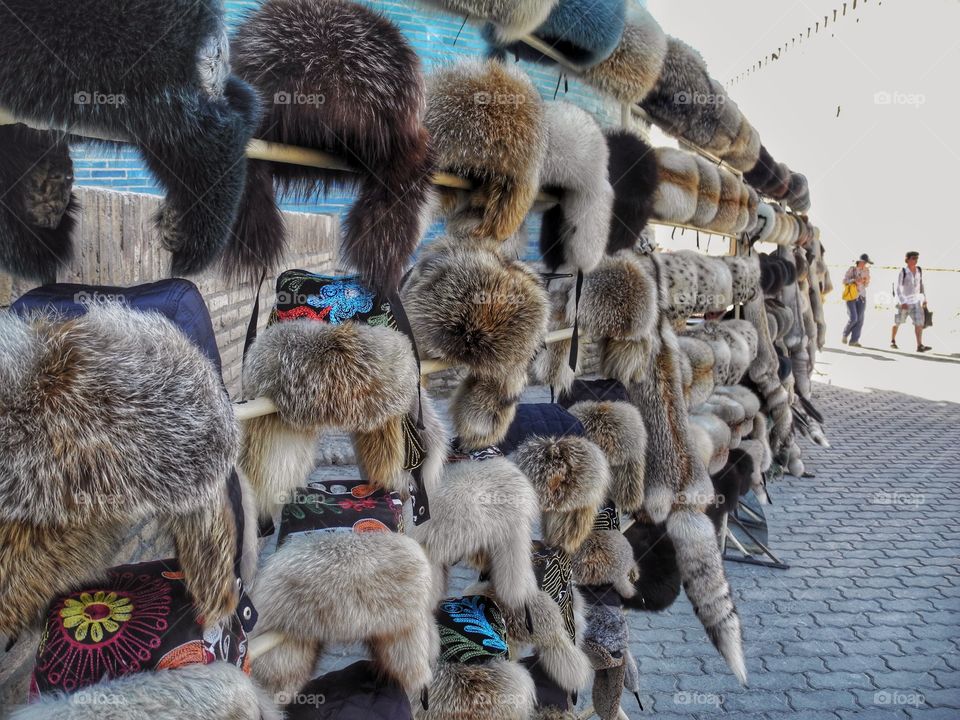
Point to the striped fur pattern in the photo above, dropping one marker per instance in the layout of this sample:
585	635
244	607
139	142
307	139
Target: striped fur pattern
631	71
676	197
162	81
679	99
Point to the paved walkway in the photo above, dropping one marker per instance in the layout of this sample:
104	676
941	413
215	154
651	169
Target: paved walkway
866	622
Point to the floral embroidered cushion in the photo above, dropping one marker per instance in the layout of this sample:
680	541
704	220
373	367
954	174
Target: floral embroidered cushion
340	506
472	630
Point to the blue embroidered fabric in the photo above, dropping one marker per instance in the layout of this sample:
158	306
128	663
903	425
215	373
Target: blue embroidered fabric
345	298
472	630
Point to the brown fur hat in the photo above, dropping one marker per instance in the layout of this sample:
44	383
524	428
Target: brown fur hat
126	381
487	124
744	152
360	378
676	197
495	690
633	69
342	79
572	478
729	214
619	300
702	361
617	428
708	193
322	588
678	99
606	558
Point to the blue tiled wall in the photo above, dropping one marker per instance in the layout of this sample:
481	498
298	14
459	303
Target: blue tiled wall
437	37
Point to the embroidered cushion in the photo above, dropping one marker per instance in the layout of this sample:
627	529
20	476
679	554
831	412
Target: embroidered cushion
472	630
340	506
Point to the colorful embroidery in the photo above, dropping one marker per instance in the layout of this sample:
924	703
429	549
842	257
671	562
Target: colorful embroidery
345	505
472	630
303	313
554	571
95	613
343	299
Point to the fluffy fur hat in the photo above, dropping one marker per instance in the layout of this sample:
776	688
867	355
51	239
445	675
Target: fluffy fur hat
574	232
583	31
172	95
732	204
374	588
762	175
360	378
486	122
702	361
729	122
484	512
680	99
606	558
511	19
658	583
71	389
497	690
340	78
714	443
714	283
619	300
676	197
682	272
37	215
744	152
218	691
617	428
745	272
766	224
708	193
572	479
634	175
632	70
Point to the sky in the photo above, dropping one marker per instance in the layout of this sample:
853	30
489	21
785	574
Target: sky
868	109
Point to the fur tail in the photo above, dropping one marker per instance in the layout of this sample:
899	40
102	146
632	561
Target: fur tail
701	569
385	224
507	204
258	241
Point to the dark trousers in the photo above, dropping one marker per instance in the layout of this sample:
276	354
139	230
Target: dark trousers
856	309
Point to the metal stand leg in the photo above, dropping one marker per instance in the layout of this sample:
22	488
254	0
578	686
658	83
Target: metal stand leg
748	558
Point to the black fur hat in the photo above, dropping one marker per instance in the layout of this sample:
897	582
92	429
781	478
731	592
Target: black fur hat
633	173
340	78
163	82
38	208
659	582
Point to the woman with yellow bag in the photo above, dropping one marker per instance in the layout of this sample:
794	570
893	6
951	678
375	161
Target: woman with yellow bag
855	283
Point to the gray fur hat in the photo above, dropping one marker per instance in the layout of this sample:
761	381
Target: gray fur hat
676	198
630	73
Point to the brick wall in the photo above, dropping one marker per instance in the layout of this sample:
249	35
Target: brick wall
116	244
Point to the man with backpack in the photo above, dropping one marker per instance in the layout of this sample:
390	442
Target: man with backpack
855	283
911	300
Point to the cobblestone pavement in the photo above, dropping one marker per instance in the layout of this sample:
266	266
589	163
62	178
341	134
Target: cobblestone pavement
866	622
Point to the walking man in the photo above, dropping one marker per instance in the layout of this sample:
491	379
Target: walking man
858	275
911	299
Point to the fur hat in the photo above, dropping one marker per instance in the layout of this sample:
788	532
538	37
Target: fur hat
658	583
682	272
360	378
732	204
607	643
619	300
617	428
634	175
37	216
572	478
484	512
93	382
585	32
486	122
745	271
679	100
702	360
632	70
729	121
765	226
708	193
714	283
496	690
744	152
340	78
676	197
714	444
218	691
173	97
606	558
574	232
376	588
753	205
762	174
510	19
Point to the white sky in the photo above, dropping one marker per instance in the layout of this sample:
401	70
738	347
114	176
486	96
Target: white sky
884	177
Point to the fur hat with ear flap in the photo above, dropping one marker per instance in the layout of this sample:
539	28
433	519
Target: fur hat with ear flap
632	70
679	182
676	101
606	558
172	450
574	232
712	437
484	512
322	588
745	271
617	428
585	32
634	174
37	216
708	193
497	145
370	111
730	214
360	378
714	283
571	477
217	691
510	19
188	116
702	361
